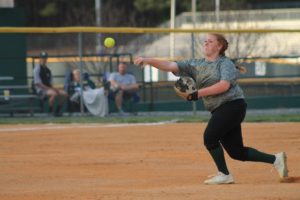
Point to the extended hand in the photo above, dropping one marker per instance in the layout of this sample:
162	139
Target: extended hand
139	61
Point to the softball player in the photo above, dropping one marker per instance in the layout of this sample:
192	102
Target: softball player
216	76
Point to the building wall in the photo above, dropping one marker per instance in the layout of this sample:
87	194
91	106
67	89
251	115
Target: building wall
12	48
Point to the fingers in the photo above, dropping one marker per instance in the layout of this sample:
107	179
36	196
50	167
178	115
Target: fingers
139	61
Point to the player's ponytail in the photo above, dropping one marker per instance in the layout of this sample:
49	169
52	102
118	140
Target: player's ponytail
238	66
222	40
241	68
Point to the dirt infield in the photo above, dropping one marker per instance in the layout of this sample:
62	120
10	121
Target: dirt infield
138	162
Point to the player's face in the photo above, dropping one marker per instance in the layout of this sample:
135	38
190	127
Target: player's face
43	61
76	74
211	46
122	68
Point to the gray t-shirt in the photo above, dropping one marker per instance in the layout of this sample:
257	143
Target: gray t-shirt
126	79
207	73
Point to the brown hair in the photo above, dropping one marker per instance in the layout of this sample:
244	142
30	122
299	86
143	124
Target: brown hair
222	40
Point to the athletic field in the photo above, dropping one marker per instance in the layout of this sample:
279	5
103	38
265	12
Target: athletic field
146	161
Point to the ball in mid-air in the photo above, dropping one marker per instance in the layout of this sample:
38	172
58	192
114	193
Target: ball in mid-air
109	42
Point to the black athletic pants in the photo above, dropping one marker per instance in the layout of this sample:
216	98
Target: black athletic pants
224	127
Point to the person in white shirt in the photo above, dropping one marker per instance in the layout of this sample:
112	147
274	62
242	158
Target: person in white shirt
94	99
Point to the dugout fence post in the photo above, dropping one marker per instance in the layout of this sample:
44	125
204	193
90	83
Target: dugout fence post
194	105
151	106
81	71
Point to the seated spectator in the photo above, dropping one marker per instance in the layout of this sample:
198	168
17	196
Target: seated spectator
42	78
123	86
95	99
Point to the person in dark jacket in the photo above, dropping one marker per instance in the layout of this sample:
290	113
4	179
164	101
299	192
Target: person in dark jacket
42	77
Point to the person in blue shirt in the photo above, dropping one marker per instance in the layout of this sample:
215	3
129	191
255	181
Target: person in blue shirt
123	85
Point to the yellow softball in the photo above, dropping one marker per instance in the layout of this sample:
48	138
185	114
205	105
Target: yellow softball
109	42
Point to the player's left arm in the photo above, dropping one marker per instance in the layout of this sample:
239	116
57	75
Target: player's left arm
218	88
228	76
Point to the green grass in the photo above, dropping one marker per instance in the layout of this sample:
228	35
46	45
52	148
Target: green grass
140	119
274	118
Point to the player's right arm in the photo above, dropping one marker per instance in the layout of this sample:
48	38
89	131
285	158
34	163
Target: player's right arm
168	66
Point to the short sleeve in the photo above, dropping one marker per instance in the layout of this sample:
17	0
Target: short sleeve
36	75
185	68
112	76
228	71
133	80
